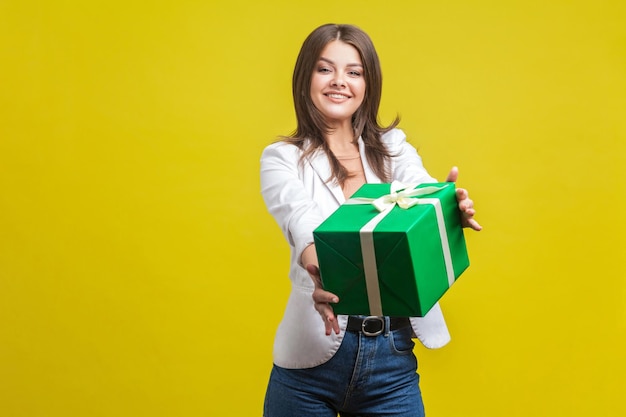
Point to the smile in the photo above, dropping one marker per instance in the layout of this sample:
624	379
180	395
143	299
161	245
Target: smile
337	96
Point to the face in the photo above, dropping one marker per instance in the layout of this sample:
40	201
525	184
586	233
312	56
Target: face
337	84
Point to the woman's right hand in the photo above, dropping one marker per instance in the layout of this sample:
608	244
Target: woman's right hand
322	300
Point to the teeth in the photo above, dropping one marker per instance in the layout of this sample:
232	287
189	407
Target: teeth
336	96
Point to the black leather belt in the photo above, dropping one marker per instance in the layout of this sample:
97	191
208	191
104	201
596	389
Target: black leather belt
374	325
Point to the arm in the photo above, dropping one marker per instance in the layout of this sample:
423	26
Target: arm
406	164
321	298
286	198
408	168
297	215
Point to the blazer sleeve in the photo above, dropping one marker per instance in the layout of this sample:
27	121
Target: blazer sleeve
286	198
406	163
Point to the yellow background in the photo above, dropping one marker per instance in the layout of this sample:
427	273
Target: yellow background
140	274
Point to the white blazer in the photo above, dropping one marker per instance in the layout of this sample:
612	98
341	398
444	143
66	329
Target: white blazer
300	198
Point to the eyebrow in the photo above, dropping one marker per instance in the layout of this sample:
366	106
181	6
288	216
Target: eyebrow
332	63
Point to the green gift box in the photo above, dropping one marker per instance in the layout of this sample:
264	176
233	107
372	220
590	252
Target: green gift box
392	249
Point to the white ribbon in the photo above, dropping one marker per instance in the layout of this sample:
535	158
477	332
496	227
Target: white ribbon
401	195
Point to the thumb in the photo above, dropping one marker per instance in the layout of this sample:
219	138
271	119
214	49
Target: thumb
453	175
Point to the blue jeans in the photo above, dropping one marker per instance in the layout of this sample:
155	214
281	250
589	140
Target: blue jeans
367	377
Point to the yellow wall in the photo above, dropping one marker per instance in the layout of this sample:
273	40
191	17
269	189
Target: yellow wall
140	274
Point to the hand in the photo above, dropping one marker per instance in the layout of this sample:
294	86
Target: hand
466	205
322	300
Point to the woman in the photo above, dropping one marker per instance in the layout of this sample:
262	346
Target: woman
329	366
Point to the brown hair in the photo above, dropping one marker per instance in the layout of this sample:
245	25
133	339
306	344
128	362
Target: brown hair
311	124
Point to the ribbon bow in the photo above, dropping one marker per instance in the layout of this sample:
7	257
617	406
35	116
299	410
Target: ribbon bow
400	194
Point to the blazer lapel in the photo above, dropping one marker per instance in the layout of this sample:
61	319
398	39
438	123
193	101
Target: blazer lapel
319	163
370	177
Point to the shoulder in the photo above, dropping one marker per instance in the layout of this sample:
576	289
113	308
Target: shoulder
394	138
396	143
288	152
281	150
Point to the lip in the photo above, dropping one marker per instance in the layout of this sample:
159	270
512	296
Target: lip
337	95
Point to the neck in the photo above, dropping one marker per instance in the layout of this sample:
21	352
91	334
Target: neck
341	139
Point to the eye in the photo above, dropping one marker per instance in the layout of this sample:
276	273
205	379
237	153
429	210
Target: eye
323	70
354	73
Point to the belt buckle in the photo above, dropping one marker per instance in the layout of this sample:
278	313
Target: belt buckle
370	319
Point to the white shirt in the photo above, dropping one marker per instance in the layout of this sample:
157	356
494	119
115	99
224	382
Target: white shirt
299	197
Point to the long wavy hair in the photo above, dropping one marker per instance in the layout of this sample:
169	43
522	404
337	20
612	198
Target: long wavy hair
312	126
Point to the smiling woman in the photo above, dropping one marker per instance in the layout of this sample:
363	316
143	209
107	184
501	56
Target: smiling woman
340	364
338	87
321	46
337	92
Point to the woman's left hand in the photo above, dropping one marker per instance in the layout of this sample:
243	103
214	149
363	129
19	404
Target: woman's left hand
466	205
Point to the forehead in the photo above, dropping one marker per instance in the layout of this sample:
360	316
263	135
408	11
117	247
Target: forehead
340	52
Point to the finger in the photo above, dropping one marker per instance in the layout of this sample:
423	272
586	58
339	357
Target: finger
334	324
466	205
461	194
469	213
322	296
473	224
331	323
453	175
328	317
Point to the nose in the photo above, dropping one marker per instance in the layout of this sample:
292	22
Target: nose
337	80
